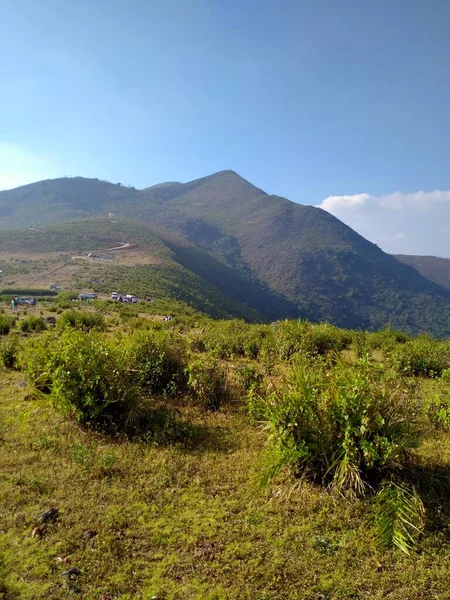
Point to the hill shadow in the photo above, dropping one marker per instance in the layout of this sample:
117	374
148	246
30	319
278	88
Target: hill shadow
432	482
231	281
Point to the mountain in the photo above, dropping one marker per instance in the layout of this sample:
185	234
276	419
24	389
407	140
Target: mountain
303	260
432	267
56	200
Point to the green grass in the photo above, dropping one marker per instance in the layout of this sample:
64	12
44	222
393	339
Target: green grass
178	511
185	521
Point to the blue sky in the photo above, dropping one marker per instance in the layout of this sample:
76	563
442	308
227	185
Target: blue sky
306	99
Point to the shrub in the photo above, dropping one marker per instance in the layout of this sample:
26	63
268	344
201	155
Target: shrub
301	337
32	324
208	383
387	339
346	426
225	339
88	378
324	338
9	351
288	337
66	297
6	324
422	356
84	321
360	343
34	360
249	377
159	360
228	339
437	405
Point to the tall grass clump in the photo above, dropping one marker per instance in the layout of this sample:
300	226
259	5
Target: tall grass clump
349	428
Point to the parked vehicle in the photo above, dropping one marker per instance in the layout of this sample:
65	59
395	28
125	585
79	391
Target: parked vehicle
124	298
26	300
87	296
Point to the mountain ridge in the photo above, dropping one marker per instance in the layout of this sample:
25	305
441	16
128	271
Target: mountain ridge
435	268
301	255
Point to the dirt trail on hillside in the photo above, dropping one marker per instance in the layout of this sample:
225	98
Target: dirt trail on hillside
123	246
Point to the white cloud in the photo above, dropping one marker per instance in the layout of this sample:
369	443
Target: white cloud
336	202
401	223
19	166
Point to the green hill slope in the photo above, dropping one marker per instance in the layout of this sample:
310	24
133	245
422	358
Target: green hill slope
432	267
299	259
155	263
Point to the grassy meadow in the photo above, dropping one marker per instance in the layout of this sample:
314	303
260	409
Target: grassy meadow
203	459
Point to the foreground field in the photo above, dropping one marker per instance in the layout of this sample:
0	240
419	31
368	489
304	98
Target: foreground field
178	513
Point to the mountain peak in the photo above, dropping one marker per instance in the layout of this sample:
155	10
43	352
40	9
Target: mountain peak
226	182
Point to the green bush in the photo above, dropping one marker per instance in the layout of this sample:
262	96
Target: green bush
6	324
249	377
66	297
102	381
82	320
324	338
346	426
422	356
32	324
9	351
439	413
88	378
35	360
235	338
301	337
360	343
159	360
288	338
437	404
208	383
225	339
387	339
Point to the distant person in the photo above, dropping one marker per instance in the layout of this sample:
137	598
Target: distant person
13	304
